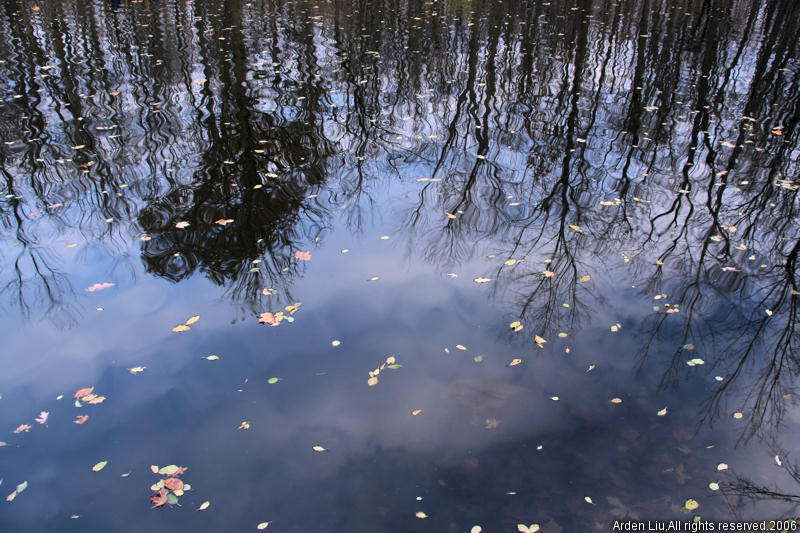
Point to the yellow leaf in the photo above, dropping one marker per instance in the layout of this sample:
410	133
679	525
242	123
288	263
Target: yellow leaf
461	347
390	360
450	215
516	325
374	278
180	328
616	400
562	335
372	381
588	500
515	362
533	528
482	280
204	505
539	340
548	274
586	278
722	466
192	320
691	505
737	416
99	466
420	514
662	412
262	525
318	448
576	228
136	369
511	262
244	425
415	412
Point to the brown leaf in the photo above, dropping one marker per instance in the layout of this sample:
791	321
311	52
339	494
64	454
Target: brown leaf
159	499
173	483
83	392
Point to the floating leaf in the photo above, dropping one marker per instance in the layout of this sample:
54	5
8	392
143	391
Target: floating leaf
395	367
778	461
99	466
563	335
22	428
616	327
616	400
461	347
372	381
136	369
591	367
691	505
588	500
205	505
482	280
22	486
181	327
585	278
181	225
262	525
515	362
420	514
303	256
533	528
576	228
335	343
722	466
245	425
662	412
415	412
172	499
83	392
476	529
159	499
318	448
99	287
516	325
713	486
273	381
539	340
173	483
192	320
374	278
478	358
554	398
510	262
695	361
738	416
42	417
548	273
212	357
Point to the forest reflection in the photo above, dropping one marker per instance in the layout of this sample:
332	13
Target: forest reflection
656	137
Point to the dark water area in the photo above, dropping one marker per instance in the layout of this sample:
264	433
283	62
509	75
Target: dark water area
573	224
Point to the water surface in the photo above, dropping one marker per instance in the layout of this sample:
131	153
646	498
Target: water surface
574	224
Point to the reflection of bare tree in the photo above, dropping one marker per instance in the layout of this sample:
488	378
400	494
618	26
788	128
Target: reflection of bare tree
659	140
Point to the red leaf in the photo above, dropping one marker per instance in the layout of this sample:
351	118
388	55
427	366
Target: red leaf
173	483
84	392
180	470
159	499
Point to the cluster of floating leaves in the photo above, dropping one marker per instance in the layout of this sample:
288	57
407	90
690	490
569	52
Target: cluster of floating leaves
273	319
170	487
390	363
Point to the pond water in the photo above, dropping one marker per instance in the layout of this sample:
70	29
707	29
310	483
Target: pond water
398	266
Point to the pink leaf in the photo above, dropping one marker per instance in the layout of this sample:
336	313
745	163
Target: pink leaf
42	417
99	286
303	256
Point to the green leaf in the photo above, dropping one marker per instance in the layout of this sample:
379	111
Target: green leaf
395	367
273	381
99	466
478	358
172	499
168	470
